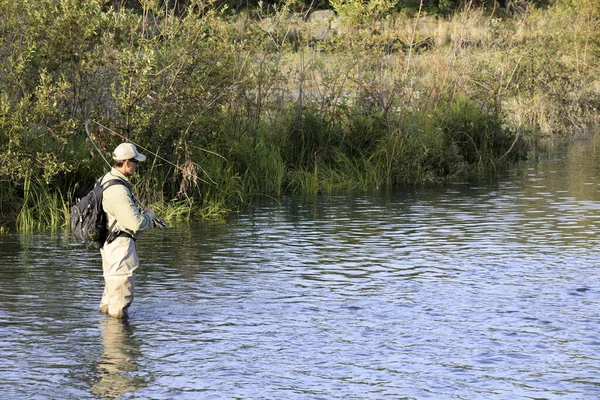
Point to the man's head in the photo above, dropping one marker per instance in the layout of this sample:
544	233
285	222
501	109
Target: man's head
126	158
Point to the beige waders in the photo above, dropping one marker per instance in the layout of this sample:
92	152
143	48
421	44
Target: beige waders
119	262
119	257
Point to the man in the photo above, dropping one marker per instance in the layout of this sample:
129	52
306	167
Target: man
126	223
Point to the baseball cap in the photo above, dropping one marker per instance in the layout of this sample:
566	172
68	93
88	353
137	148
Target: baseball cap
127	151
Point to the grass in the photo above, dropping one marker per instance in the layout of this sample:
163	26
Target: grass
246	111
41	208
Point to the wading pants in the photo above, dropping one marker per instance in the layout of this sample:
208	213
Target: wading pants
119	262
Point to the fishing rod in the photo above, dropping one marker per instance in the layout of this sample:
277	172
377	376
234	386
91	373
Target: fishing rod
187	174
212	182
157	222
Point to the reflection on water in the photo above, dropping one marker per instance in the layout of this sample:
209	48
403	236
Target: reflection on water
117	367
473	290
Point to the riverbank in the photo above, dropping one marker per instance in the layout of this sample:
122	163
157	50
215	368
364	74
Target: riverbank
253	104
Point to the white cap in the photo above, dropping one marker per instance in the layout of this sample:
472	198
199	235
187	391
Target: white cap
127	151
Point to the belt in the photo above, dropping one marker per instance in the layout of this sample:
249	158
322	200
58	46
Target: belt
125	234
113	235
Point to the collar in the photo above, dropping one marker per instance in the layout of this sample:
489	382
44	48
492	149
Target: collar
118	174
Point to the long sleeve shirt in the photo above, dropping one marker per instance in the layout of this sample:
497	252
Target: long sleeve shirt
119	205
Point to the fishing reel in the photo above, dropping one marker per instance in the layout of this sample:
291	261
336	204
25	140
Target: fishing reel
159	223
156	222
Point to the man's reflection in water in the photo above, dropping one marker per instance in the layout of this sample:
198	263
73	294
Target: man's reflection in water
117	367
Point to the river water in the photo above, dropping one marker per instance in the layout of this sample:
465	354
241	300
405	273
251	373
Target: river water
472	290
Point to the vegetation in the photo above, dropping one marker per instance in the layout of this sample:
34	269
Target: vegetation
233	103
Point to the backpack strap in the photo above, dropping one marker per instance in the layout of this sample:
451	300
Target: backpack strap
110	183
112	234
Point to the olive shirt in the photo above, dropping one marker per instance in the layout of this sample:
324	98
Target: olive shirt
118	204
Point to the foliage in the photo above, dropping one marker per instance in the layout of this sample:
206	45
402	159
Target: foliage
233	106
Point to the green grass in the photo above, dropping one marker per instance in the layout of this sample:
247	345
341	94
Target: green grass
41	208
239	110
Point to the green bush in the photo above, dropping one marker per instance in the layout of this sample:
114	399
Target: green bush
233	106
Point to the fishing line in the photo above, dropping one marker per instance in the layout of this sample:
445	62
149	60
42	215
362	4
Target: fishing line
158	222
162	158
94	143
183	171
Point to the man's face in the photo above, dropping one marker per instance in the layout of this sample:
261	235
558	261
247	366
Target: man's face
129	167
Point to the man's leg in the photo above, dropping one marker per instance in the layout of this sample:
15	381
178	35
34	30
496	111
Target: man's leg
119	292
119	261
104	302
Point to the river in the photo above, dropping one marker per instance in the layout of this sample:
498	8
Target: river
476	289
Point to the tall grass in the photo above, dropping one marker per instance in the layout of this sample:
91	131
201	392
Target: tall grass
41	208
245	106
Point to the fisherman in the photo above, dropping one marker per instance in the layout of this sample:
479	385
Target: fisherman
126	224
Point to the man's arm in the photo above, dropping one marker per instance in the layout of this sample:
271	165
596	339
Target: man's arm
119	204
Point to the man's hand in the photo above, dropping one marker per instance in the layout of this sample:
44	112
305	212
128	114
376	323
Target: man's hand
149	212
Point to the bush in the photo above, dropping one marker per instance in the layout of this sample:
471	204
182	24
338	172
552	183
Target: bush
231	106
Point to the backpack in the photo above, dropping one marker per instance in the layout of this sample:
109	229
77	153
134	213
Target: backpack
88	219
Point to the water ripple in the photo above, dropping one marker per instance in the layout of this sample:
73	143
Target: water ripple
468	291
